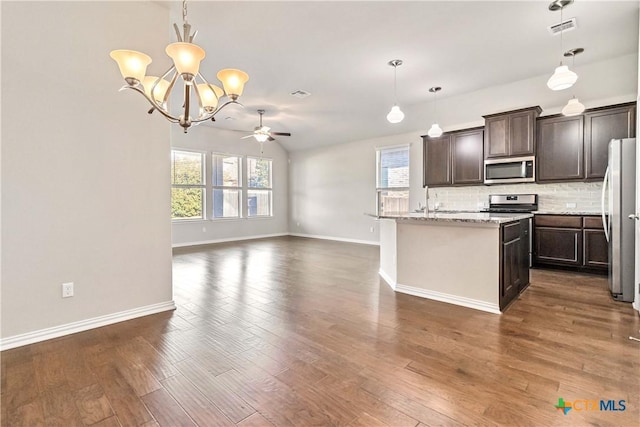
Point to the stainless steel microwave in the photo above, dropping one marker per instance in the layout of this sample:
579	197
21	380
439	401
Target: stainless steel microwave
510	170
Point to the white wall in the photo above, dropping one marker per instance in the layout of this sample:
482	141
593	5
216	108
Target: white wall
332	187
208	138
85	171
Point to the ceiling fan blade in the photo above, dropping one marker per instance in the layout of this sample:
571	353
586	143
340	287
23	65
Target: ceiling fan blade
248	136
271	138
280	133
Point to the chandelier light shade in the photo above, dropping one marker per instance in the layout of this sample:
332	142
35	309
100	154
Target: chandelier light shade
132	64
160	89
562	78
184	72
435	131
573	107
233	81
186	58
395	115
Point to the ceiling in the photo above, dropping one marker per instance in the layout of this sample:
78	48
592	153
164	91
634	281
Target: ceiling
338	51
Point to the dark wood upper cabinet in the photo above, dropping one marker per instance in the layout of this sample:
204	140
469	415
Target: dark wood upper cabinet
437	160
600	127
511	133
467	157
455	158
560	149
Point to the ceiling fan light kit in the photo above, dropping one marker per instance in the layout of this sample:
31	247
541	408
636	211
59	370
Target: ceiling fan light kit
186	58
395	115
263	133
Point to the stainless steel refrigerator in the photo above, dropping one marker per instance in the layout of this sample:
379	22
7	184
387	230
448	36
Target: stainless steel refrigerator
618	203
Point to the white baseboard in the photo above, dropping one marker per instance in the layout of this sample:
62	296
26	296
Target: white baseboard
83	325
228	239
448	298
338	239
392	283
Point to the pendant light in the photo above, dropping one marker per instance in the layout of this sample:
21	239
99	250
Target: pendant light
395	115
574	106
435	131
563	77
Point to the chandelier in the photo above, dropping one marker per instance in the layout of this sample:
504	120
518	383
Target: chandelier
186	58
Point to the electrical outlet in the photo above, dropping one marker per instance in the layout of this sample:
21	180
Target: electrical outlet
67	290
204	229
571	205
297	224
371	229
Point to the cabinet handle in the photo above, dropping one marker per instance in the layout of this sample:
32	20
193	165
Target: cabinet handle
634	216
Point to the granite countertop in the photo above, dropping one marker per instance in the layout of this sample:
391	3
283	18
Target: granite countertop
469	217
567	213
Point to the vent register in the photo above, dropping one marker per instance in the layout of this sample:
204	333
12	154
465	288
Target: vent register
568	25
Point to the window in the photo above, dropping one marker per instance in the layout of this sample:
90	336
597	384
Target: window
259	189
227	186
187	185
393	179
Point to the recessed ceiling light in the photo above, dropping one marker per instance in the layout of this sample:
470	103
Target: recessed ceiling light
300	94
229	118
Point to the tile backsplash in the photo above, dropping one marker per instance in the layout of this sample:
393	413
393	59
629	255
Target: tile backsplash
562	197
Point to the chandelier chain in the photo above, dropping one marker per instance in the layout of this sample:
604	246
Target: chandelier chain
184	11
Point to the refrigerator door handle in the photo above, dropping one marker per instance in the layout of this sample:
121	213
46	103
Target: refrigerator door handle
604	214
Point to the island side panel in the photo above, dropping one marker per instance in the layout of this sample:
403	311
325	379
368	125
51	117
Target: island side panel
388	252
452	262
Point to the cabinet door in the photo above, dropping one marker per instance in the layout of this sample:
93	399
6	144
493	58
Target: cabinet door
596	249
496	138
521	133
524	254
511	280
560	149
437	161
468	159
600	128
561	246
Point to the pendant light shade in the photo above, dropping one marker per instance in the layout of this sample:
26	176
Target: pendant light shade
562	78
573	107
435	131
160	88
395	115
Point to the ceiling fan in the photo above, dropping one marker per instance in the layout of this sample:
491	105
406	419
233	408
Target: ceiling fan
262	133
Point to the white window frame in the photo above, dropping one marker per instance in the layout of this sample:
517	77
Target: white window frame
268	189
379	188
239	188
202	186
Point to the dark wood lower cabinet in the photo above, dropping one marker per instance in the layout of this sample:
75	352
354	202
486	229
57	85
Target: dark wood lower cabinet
558	246
570	241
596	249
514	274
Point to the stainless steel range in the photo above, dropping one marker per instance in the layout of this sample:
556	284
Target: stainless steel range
513	203
510	203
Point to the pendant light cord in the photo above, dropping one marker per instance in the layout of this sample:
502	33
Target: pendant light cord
395	83
561	35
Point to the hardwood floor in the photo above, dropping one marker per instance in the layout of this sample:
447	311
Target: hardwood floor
292	331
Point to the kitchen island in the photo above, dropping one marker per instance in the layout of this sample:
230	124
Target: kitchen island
474	259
